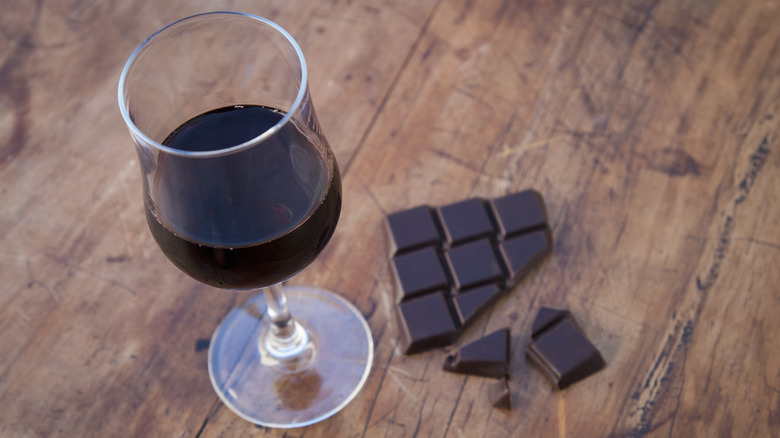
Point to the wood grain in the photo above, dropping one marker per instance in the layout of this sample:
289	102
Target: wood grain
650	127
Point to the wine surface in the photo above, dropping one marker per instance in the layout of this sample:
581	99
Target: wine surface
247	219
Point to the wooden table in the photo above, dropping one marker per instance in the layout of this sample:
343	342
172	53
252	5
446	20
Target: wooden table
651	128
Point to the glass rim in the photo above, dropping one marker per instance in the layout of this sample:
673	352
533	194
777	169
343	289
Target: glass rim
139	134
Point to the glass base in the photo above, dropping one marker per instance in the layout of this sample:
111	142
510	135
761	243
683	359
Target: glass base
315	383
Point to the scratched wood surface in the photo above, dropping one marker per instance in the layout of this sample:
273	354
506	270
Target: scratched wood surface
651	128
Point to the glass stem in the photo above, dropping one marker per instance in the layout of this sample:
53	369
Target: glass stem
281	319
286	338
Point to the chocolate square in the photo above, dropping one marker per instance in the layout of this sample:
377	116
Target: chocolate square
470	304
412	229
564	354
519	213
487	356
425	323
465	220
474	264
546	318
419	272
523	252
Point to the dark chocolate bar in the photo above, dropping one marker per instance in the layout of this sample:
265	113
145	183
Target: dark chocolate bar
471	252
487	357
475	250
562	352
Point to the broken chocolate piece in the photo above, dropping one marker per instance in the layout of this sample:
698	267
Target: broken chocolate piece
474	264
419	272
412	229
488	356
472	252
546	318
564	354
520	212
465	220
522	253
425	323
470	304
499	394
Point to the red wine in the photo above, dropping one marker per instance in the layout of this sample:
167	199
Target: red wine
246	219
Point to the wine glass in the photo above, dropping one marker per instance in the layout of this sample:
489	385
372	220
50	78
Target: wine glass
242	191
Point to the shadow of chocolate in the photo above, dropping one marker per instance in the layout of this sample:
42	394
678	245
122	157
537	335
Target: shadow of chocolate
297	391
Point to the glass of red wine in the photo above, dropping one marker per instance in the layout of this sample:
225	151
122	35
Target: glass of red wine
242	191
